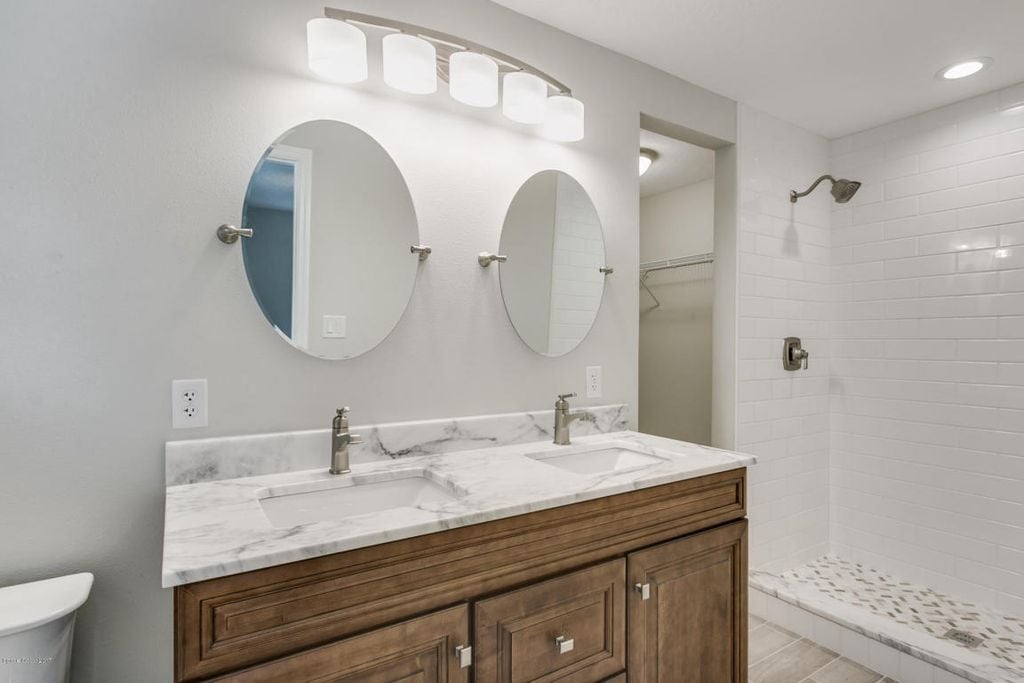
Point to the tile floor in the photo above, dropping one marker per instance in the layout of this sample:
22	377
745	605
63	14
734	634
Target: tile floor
779	656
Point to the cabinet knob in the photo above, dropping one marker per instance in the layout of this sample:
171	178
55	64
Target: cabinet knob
565	644
644	589
465	655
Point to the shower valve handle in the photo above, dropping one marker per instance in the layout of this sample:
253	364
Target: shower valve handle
793	354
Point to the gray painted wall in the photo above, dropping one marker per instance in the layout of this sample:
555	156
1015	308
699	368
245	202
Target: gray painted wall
136	126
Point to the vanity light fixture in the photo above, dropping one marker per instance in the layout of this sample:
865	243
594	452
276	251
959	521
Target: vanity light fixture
563	119
963	69
473	79
525	97
337	51
410	63
415	57
647	157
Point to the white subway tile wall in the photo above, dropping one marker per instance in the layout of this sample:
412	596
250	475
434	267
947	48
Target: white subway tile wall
784	266
927	366
577	282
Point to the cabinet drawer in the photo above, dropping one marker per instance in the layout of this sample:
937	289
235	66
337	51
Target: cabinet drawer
420	650
571	628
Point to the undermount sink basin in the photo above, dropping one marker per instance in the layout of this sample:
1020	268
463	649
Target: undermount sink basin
603	458
326	501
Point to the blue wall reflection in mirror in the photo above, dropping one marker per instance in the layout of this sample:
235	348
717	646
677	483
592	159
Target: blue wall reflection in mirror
269	210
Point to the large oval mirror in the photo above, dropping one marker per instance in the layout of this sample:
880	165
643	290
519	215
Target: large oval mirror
329	260
552	281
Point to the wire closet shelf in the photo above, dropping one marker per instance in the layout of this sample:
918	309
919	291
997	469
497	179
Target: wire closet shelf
649	267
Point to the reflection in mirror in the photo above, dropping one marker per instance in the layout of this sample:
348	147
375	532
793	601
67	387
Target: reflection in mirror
552	281
332	220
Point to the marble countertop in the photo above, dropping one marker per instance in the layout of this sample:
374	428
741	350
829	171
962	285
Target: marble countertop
218	528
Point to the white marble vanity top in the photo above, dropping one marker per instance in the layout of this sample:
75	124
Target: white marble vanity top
217	528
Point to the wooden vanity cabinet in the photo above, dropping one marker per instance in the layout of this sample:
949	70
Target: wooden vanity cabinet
648	586
688	618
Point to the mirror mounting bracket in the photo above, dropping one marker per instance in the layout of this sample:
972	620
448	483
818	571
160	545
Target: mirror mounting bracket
229	234
485	258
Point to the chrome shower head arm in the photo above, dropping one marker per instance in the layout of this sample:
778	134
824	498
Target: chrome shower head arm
794	195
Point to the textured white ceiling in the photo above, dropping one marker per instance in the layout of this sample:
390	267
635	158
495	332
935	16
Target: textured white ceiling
831	66
678	163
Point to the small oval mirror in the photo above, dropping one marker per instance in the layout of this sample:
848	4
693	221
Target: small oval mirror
552	282
329	261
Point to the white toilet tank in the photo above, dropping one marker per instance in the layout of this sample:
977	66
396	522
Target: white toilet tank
37	622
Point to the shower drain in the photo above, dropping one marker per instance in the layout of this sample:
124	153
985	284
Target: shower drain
964	638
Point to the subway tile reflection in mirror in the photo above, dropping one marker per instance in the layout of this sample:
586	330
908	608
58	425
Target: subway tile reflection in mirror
552	281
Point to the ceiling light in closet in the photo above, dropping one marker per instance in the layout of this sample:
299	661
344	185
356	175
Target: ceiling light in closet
647	157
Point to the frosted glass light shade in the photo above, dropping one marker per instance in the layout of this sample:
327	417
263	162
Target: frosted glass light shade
410	64
337	50
473	79
523	97
645	164
563	120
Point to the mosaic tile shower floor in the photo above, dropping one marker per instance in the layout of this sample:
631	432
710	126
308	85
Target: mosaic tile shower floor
915	606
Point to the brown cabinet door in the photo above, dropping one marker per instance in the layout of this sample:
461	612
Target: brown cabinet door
420	650
688	609
571	628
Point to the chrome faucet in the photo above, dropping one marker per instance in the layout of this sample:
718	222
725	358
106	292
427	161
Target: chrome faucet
341	438
563	418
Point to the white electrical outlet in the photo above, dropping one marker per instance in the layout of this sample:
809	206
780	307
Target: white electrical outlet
189	403
593	381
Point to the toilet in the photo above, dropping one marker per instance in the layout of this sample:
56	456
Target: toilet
37	622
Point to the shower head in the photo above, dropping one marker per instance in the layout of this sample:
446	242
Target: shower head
842	189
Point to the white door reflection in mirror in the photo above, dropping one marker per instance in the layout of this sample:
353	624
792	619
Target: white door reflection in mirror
332	219
552	282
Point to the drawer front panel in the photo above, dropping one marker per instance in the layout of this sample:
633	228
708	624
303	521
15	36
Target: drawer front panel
420	650
235	621
567	629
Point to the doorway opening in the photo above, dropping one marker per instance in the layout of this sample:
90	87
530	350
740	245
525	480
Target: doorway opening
677	288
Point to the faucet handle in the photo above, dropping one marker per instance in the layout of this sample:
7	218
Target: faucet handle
355	438
340	421
562	397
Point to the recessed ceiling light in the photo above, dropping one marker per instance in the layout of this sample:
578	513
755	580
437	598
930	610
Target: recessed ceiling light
963	69
647	157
